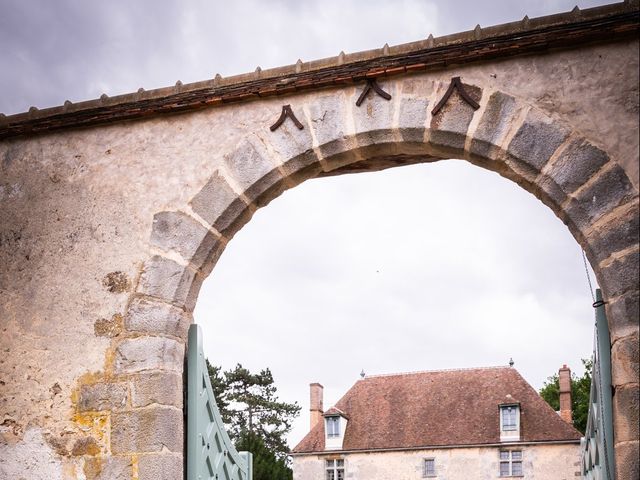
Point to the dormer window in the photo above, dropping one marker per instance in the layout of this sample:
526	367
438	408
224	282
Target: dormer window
333	426
510	422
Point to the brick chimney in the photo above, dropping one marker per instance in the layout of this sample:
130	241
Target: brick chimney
564	375
315	391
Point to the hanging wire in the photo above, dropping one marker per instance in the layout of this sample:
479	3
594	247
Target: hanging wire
586	270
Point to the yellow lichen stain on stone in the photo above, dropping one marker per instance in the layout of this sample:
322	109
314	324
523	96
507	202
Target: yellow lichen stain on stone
88	378
134	467
94	424
109	361
93	467
69	471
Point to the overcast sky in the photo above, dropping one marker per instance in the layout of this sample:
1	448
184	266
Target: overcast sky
424	267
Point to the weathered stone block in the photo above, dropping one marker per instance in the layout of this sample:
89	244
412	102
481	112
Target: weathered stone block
577	164
166	279
626	419
536	141
149	353
621	275
176	231
252	170
108	467
618	234
149	429
160	467
555	196
608	191
625	360
293	147
150	316
449	126
413	118
623	314
627	460
218	204
328	115
375	114
102	396
494	124
156	387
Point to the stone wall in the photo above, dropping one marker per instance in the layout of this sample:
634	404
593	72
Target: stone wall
540	462
106	234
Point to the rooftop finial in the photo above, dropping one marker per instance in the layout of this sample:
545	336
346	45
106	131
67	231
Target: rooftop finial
477	32
385	49
362	374
430	41
511	362
299	66
341	57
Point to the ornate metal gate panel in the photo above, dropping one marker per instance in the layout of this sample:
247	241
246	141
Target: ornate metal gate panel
210	453
597	444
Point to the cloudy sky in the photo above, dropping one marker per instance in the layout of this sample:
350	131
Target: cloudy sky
425	267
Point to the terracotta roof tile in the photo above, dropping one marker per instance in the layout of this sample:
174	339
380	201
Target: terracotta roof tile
439	408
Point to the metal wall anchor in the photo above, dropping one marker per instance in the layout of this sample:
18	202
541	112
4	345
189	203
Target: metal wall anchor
455	84
286	112
372	84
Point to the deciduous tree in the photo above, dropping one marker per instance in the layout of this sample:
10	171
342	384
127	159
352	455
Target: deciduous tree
580	391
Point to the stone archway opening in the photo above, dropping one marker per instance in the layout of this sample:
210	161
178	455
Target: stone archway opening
412	229
588	191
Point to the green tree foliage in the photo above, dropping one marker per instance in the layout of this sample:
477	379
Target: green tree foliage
580	391
254	417
266	466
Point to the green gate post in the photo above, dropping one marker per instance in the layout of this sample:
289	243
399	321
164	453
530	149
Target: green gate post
210	453
597	445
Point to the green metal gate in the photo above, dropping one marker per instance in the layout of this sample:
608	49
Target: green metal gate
210	453
597	444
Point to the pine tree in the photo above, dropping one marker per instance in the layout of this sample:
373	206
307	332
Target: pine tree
265	464
255	410
254	418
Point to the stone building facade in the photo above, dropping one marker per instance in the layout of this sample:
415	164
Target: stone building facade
479	423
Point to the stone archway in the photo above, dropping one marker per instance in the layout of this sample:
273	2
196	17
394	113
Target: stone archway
577	180
96	299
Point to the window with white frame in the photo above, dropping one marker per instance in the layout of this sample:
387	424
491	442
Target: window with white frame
429	467
509	417
333	426
511	463
334	469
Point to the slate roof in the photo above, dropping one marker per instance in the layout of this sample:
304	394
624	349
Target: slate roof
439	408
